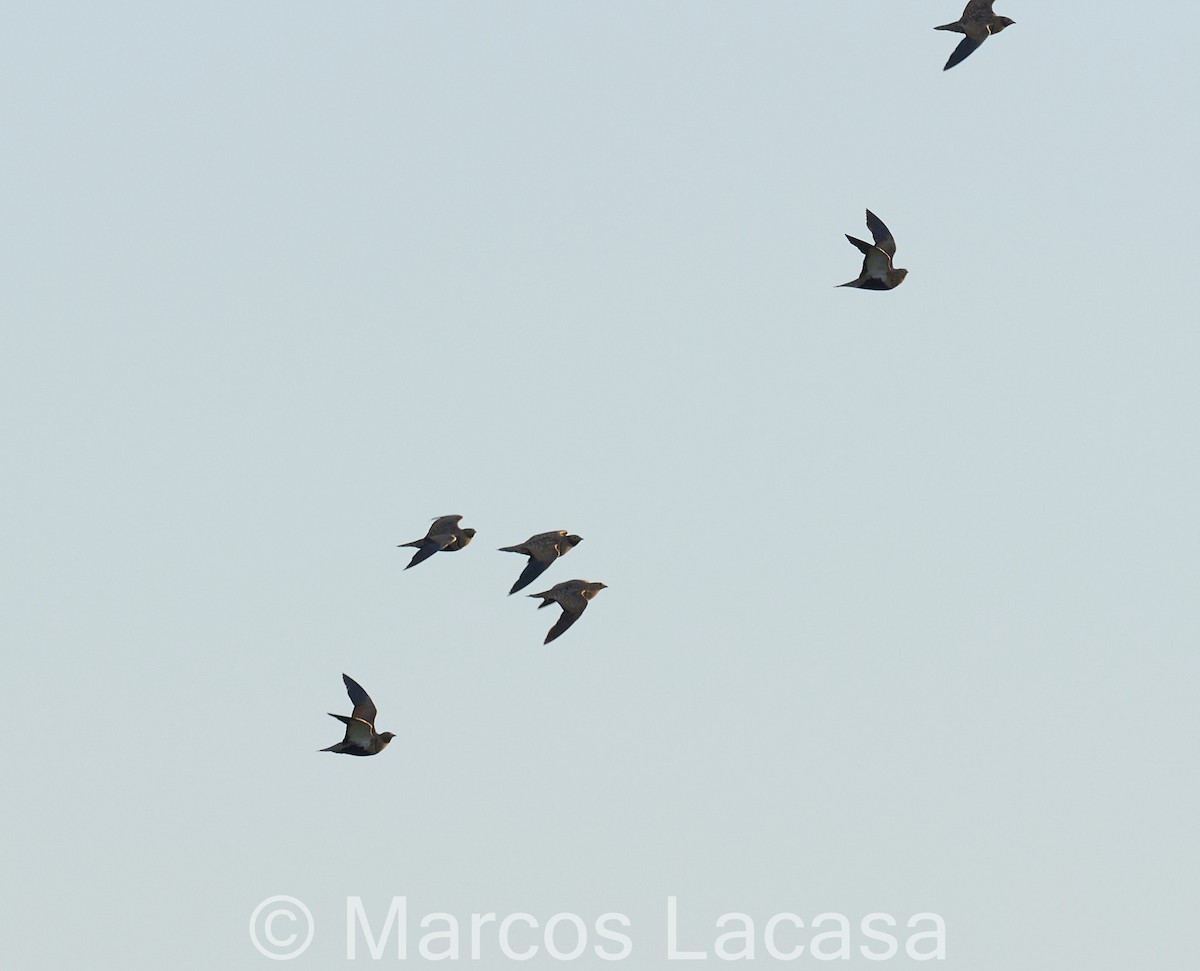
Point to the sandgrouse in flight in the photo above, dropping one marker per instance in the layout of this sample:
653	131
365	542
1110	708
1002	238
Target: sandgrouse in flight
542	550
877	270
978	22
361	737
573	597
444	534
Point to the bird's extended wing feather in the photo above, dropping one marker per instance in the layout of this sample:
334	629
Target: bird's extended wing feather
565	620
881	234
431	545
364	707
863	247
965	48
533	569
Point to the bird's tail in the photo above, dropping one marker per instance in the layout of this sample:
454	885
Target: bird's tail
511	549
546	601
957	28
344	719
415	542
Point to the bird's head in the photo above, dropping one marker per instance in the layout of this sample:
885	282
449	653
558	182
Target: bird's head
594	588
385	737
469	535
900	275
572	540
1000	23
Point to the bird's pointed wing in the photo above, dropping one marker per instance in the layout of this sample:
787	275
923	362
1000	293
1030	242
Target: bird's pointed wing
565	620
881	234
864	248
364	707
432	544
533	569
965	48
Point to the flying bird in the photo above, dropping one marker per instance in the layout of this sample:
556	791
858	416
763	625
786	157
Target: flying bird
444	534
361	737
877	270
573	597
978	22
542	550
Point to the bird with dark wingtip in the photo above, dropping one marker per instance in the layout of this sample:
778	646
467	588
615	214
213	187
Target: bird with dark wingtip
877	270
978	22
542	550
573	597
444	534
361	737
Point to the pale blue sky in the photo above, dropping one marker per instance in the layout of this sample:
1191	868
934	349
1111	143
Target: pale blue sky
902	608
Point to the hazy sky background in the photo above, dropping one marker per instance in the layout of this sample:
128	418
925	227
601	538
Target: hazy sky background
902	608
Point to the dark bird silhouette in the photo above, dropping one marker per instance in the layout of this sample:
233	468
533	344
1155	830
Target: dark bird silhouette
978	22
444	534
361	737
542	550
877	270
573	597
